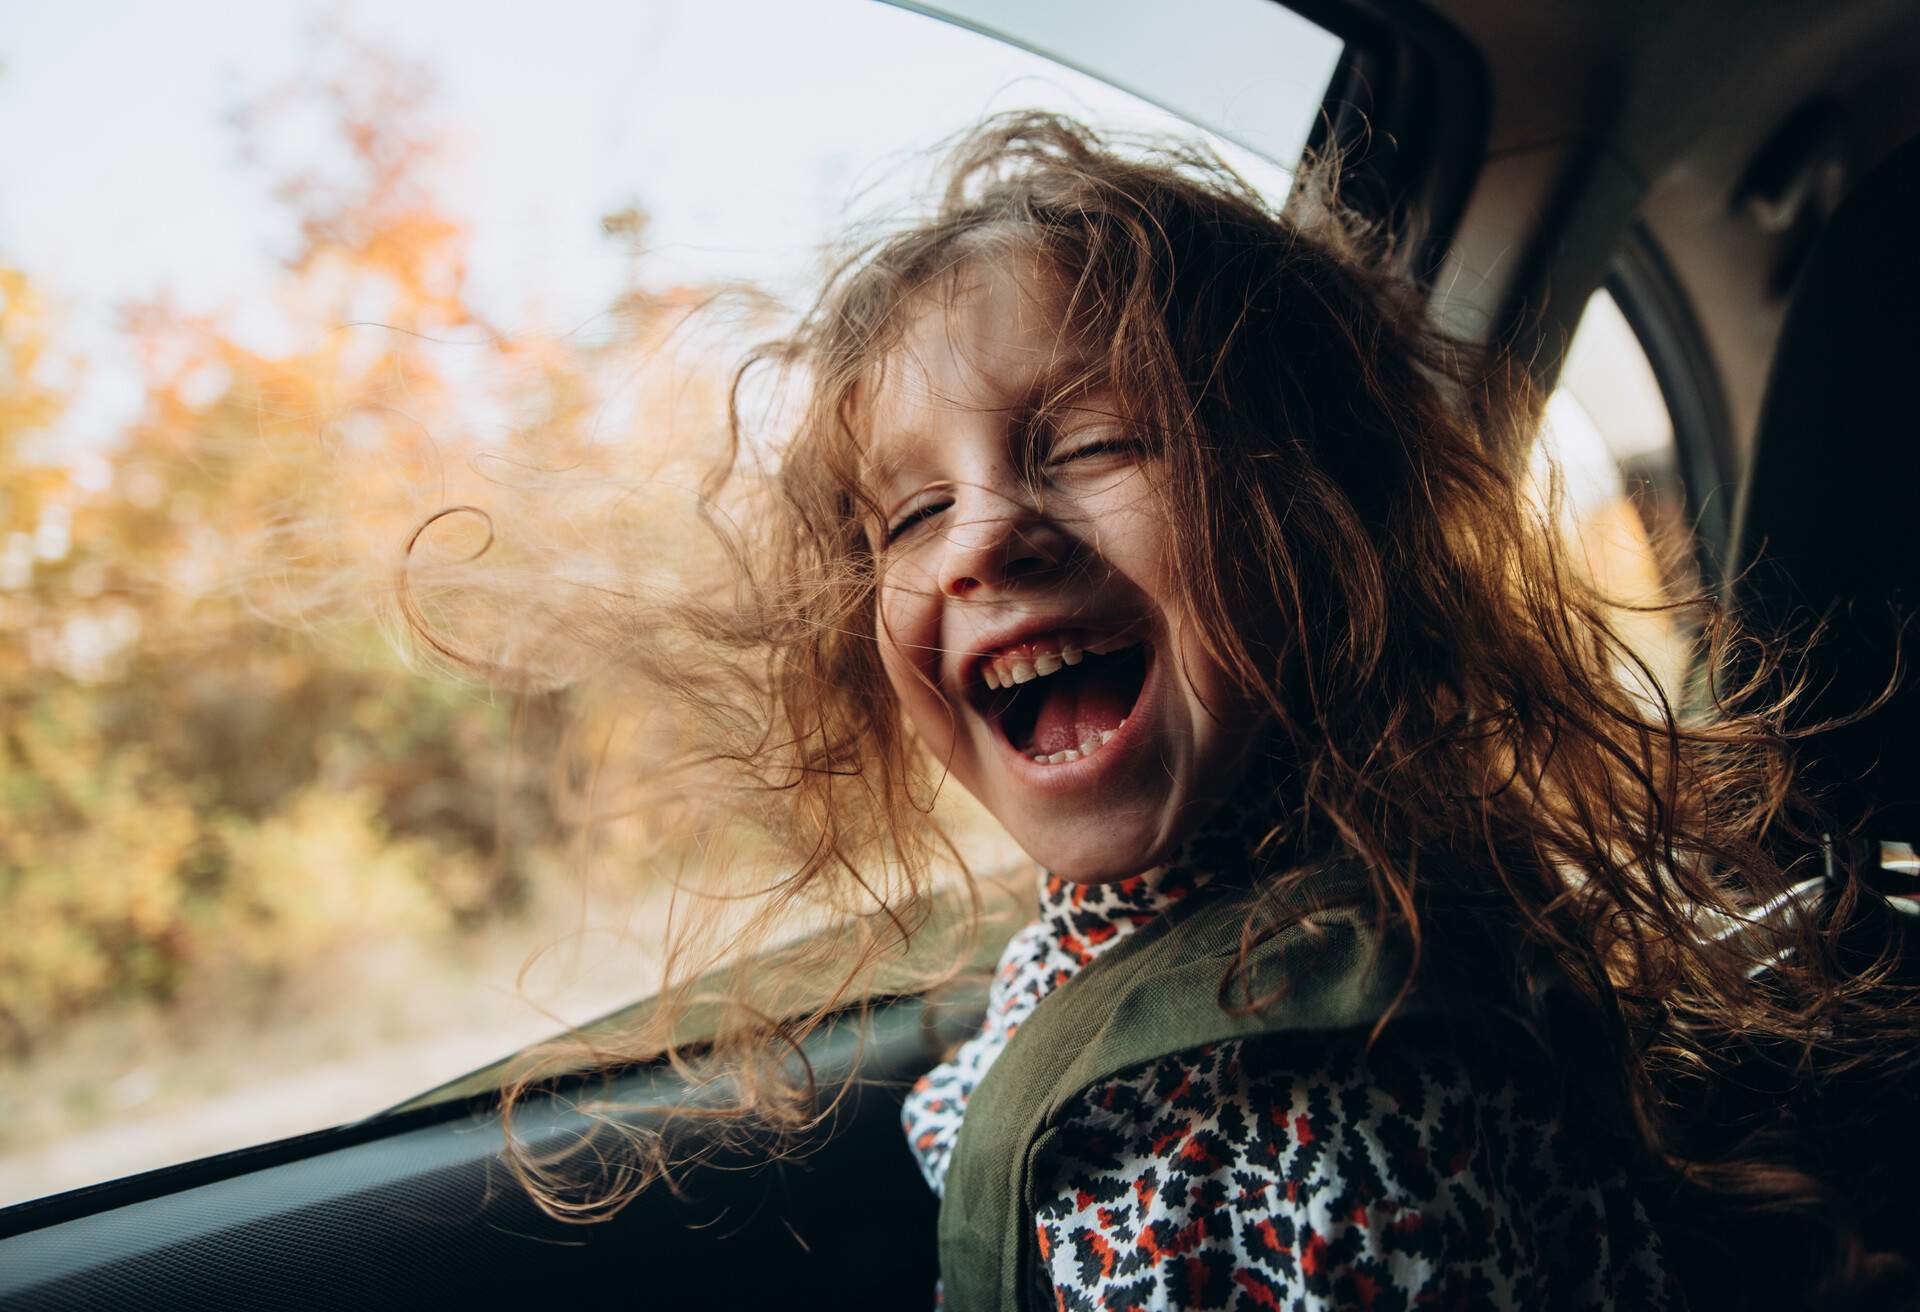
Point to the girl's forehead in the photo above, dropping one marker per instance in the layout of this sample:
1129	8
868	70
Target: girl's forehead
991	337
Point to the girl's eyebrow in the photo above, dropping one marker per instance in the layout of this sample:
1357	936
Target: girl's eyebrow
1059	388
1068	377
893	456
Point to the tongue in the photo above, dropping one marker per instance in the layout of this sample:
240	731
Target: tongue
1082	704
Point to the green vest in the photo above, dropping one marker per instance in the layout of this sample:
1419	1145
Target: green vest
1155	993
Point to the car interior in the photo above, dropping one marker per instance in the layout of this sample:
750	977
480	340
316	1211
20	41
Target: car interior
1740	175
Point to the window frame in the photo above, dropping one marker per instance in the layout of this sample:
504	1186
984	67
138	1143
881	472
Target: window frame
1644	286
1408	112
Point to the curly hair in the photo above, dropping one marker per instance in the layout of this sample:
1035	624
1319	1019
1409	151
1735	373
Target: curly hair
1444	686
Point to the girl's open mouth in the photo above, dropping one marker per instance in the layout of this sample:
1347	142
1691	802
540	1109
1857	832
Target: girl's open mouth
1059	702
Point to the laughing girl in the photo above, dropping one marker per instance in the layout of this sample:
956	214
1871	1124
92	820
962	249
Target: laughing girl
1376	958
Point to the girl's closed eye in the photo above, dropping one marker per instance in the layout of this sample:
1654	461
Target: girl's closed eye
1098	458
1105	448
1117	446
1091	428
915	514
1100	451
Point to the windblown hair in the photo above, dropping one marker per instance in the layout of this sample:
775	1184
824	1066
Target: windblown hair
1451	702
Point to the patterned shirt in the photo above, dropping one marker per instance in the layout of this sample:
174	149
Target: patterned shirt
1297	1172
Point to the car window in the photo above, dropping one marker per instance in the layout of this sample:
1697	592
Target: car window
1237	69
284	279
1610	437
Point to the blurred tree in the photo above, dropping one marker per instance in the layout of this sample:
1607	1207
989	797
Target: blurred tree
215	767
27	403
29	406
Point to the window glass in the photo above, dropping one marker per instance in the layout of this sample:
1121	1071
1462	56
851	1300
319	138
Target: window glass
276	266
1611	438
1241	68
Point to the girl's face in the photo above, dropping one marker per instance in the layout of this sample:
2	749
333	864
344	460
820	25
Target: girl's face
1028	621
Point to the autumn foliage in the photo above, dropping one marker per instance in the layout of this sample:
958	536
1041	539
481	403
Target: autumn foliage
219	761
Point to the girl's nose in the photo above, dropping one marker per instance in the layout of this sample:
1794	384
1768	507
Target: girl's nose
999	543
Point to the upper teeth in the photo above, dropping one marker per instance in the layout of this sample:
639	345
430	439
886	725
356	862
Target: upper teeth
1044	657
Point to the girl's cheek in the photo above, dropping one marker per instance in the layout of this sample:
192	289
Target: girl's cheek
903	645
905	602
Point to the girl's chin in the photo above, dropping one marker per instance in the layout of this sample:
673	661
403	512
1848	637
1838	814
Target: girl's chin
1098	858
1093	875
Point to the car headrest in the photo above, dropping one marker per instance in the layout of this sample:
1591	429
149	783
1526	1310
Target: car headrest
1829	519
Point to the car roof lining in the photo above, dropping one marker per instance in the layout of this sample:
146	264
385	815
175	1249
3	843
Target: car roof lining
1575	139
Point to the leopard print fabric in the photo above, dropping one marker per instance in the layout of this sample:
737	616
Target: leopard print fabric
1077	923
1282	1173
1294	1172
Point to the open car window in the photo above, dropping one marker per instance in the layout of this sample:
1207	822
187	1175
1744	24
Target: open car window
283	283
1610	440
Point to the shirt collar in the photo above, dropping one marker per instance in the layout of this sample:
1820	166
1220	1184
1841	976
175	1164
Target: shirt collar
1085	919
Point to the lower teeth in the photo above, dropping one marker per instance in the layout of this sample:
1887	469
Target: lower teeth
1088	746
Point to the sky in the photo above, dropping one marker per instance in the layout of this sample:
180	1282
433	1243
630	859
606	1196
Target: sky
750	130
